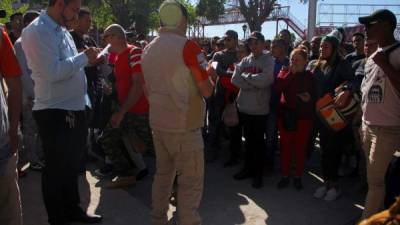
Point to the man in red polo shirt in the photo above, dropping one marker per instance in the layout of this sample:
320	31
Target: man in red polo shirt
10	204
130	123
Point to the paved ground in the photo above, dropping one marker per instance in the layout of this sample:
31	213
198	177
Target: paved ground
225	201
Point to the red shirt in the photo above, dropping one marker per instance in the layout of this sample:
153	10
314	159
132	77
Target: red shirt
127	64
9	66
196	60
288	86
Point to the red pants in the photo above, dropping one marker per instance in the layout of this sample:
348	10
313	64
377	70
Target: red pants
296	141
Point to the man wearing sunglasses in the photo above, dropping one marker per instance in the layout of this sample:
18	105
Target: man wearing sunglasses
380	105
221	68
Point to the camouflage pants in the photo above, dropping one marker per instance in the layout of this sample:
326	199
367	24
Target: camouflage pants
31	150
112	142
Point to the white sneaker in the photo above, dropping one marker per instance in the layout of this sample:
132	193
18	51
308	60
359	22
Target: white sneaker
320	192
332	194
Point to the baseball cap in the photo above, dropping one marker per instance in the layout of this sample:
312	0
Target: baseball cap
380	15
171	13
256	35
231	34
114	29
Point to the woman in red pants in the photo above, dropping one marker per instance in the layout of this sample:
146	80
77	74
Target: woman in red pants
295	115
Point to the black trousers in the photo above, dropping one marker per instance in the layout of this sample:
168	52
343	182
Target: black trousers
235	141
63	134
332	147
253	131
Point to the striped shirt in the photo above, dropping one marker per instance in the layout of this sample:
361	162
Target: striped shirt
127	64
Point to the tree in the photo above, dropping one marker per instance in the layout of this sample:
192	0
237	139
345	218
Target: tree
132	13
256	12
7	5
154	19
211	9
102	14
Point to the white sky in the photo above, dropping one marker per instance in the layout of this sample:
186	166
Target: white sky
300	11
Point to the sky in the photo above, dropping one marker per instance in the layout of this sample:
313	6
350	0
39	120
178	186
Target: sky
300	11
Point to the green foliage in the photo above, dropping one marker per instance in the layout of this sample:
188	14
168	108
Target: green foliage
154	21
43	3
129	13
211	9
191	10
102	14
8	6
256	12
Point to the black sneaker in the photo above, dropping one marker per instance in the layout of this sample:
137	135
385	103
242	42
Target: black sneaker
297	183
105	171
244	174
284	182
36	166
230	162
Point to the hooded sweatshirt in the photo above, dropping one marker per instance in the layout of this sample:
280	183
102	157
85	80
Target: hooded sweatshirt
254	76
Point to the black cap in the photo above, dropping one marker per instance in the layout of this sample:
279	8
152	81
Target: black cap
29	16
256	35
231	34
380	15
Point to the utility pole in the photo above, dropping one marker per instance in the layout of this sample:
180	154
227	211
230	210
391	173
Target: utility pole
312	18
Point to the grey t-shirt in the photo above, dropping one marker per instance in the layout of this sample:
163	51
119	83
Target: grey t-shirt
254	76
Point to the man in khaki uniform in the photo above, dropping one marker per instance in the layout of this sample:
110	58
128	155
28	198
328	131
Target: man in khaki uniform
175	74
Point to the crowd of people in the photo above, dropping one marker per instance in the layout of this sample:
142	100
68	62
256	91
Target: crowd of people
66	100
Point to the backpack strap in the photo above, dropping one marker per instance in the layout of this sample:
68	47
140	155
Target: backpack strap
391	49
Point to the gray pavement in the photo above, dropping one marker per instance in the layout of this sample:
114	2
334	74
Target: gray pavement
225	201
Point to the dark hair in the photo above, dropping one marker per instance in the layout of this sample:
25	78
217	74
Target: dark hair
306	43
83	12
12	17
285	31
335	56
359	34
245	45
53	2
280	42
214	40
29	16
